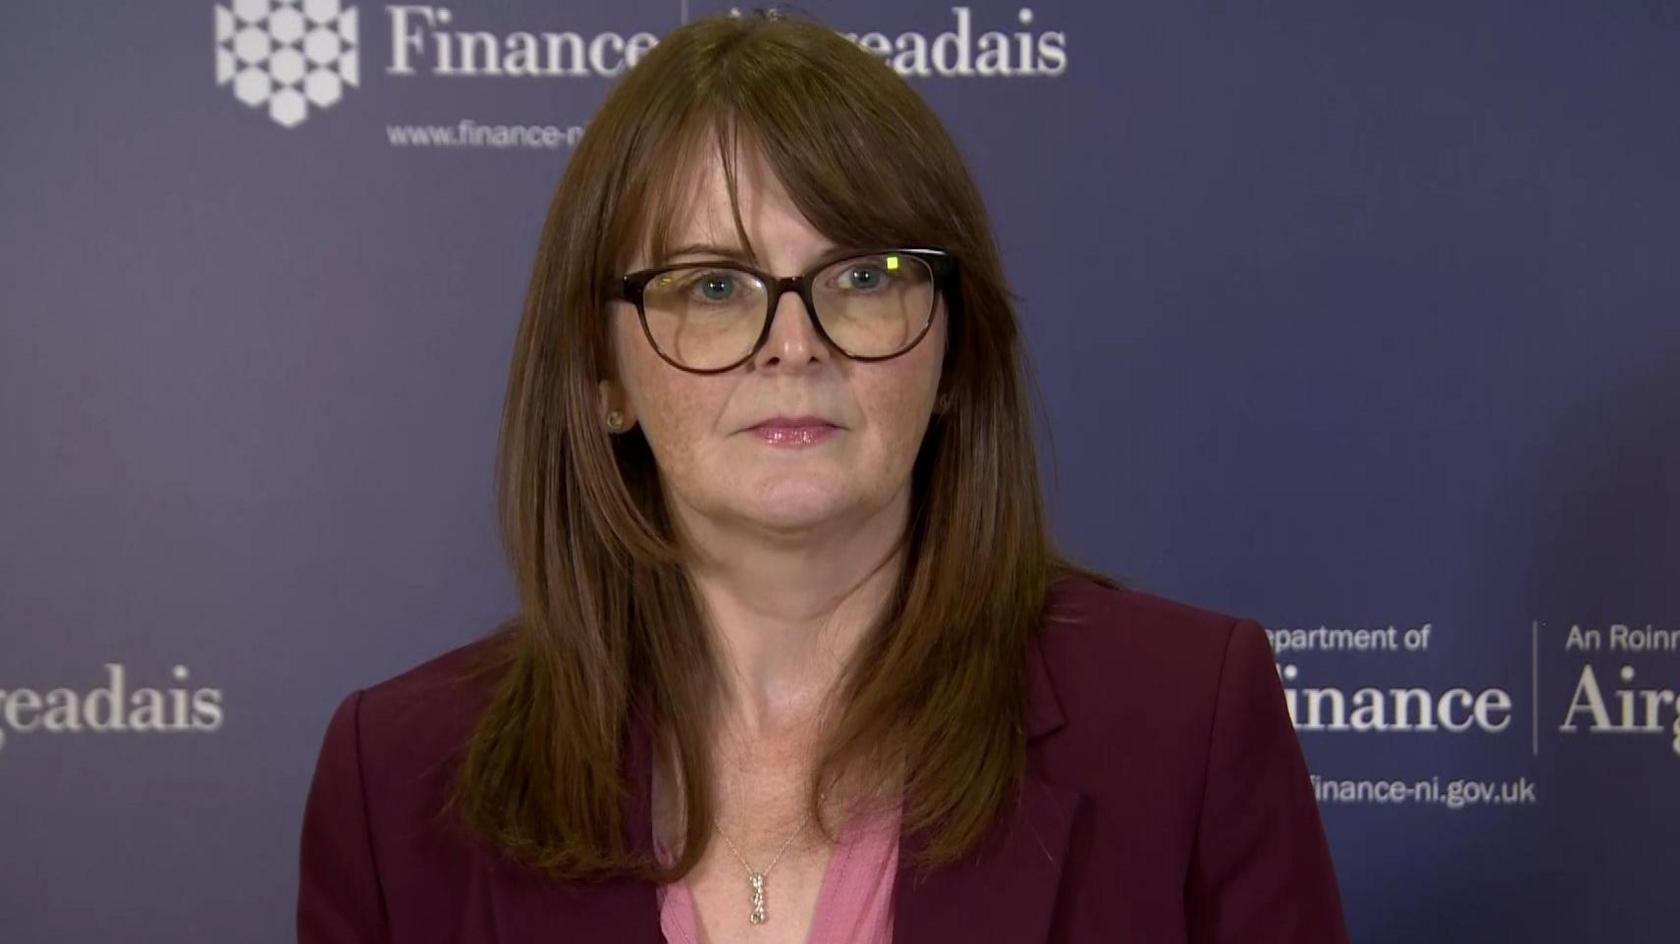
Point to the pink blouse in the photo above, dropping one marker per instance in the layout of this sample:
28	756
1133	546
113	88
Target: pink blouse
854	903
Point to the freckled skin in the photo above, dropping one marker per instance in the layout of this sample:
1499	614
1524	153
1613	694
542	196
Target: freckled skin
697	425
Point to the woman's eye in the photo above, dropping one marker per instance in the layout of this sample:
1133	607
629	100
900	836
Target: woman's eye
862	277
714	286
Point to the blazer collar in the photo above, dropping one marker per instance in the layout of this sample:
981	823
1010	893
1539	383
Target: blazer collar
1007	886
1044	709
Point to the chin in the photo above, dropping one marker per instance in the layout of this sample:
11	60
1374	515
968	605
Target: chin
791	504
793	515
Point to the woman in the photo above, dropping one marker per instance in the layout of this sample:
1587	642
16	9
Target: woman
795	660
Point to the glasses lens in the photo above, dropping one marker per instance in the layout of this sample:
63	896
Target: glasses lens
875	305
704	317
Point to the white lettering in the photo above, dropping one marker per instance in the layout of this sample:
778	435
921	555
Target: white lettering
111	707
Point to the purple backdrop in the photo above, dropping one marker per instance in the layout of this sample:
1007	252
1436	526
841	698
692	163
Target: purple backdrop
1344	315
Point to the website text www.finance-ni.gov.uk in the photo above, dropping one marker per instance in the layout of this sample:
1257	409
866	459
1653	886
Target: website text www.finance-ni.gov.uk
1453	794
468	133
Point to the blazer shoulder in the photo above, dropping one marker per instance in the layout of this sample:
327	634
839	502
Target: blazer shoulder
1178	733
373	838
1126	665
462	672
1085	620
412	724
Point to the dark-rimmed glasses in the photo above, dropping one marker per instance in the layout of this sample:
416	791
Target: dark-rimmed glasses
709	317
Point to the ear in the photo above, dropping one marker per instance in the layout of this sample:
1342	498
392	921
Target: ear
615	406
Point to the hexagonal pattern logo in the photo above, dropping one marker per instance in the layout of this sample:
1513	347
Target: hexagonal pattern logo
286	55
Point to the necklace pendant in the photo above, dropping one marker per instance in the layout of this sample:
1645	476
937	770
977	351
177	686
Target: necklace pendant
756	879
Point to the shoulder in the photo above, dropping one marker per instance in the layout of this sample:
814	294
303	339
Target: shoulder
1127	615
414	722
1175	732
432	698
393	746
1139	681
1105	648
381	781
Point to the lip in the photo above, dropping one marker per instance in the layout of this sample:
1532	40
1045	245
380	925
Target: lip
794	422
793	431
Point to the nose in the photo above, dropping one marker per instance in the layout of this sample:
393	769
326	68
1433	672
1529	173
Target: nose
793	339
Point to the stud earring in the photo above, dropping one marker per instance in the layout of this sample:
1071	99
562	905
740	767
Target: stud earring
615	420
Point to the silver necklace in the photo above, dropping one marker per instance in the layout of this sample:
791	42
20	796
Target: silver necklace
755	878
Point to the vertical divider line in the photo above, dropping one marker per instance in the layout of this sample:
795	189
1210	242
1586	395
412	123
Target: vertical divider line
1534	683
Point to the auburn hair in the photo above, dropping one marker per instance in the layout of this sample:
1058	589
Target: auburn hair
605	607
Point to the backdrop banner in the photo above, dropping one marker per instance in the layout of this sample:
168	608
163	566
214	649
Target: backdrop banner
1359	319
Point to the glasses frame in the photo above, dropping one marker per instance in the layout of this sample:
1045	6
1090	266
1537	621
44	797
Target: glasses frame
632	288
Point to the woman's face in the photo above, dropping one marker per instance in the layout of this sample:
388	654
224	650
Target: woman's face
713	463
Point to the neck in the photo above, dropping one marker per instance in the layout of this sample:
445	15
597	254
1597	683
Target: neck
787	613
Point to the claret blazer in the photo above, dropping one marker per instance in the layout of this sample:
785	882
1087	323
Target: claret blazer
1166	800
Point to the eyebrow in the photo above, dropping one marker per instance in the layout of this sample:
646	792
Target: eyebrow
734	252
708	249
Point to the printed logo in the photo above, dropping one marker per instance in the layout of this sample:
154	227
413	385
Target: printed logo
287	54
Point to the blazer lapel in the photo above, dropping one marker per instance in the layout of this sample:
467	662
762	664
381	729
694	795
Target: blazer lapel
1005	890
